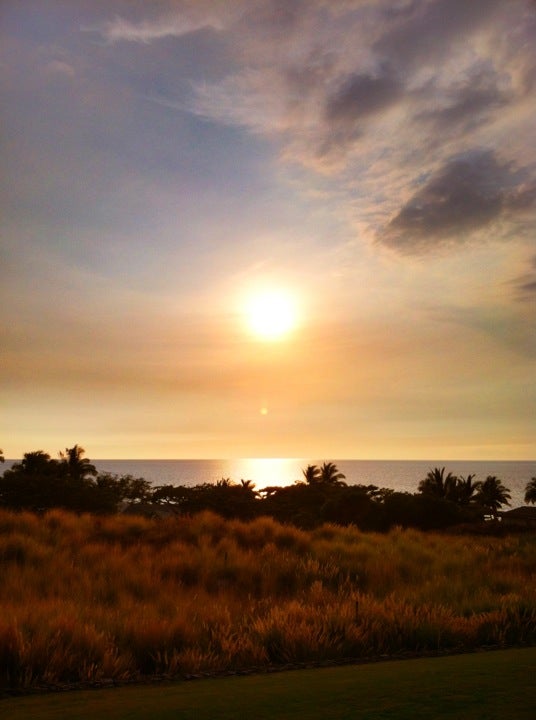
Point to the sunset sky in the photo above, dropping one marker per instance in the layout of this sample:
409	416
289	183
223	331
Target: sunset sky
373	162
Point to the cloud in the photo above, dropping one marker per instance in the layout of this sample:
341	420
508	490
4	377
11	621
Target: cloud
504	326
362	95
525	285
427	33
378	96
361	100
173	20
467	194
59	67
465	104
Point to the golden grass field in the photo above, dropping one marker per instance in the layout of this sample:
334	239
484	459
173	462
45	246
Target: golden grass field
86	598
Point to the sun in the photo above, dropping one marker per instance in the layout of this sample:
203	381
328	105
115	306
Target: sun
271	314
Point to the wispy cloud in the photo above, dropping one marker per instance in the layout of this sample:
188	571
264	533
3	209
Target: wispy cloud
183	19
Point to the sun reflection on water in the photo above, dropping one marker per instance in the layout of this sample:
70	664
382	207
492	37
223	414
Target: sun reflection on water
265	472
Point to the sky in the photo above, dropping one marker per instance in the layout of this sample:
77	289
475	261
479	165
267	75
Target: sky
165	162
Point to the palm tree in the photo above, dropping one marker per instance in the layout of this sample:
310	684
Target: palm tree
492	494
329	474
77	467
436	483
248	488
466	489
530	491
34	463
311	474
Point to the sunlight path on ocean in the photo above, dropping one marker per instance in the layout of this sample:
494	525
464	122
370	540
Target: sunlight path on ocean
265	472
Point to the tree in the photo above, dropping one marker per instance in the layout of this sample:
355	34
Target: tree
425	511
134	489
76	466
112	490
225	497
311	474
33	484
2	459
178	496
353	505
299	503
330	475
36	462
39	483
492	494
438	484
466	489
530	491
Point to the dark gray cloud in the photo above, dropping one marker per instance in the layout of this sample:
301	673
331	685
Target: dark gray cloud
525	285
466	105
362	95
528	287
358	99
427	32
467	194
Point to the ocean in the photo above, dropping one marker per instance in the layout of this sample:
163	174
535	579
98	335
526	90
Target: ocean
402	475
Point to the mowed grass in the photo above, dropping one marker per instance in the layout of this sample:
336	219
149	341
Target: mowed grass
480	686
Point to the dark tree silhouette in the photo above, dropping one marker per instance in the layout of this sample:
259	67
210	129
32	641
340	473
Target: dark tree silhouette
492	494
36	462
425	511
530	491
438	484
330	475
113	489
311	474
33	484
224	497
76	466
466	489
353	505
39	483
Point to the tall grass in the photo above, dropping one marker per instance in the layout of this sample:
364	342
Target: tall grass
85	598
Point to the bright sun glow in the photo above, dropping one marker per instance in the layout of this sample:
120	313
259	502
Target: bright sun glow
271	314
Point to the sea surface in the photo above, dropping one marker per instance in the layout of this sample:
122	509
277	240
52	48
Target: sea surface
403	475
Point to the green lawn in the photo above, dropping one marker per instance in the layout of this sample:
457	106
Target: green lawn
487	686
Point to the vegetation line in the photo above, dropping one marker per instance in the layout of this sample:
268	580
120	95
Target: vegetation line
40	483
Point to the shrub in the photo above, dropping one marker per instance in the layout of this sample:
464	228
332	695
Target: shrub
86	597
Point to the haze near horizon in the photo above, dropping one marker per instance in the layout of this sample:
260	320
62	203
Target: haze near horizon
269	229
